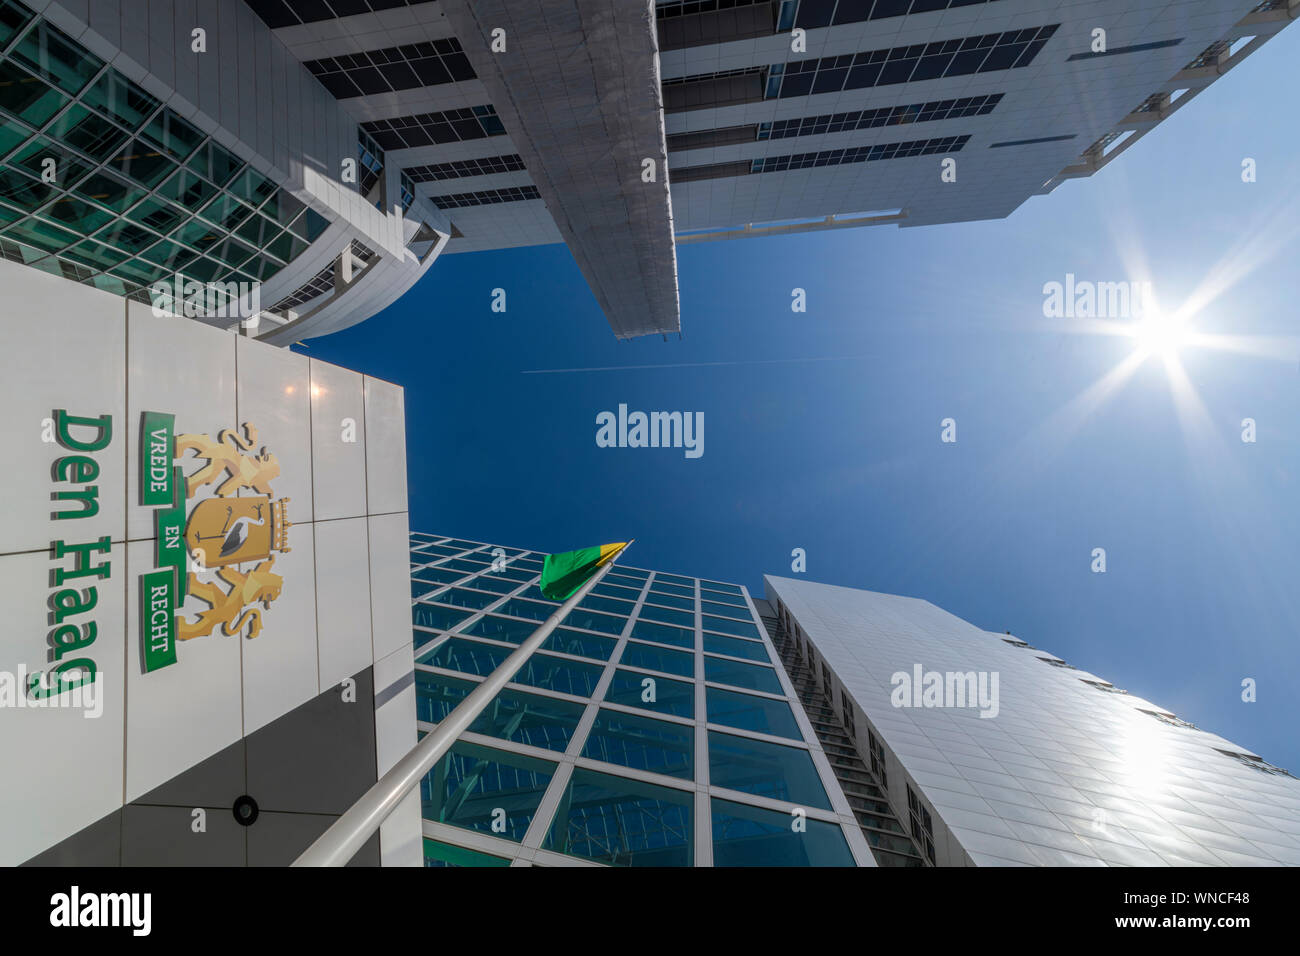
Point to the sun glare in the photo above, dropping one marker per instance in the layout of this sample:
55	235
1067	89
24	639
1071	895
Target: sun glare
1160	335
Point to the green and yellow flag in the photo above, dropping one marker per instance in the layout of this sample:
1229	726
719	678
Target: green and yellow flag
562	574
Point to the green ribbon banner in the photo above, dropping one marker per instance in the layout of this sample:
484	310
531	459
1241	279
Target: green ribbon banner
157	452
158	617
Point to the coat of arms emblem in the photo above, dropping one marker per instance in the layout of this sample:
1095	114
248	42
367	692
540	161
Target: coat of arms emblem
229	531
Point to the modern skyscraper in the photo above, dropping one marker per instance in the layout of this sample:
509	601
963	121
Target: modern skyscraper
145	142
673	720
330	151
205	652
533	122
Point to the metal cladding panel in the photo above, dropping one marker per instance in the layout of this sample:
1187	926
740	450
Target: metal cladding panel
577	88
1050	770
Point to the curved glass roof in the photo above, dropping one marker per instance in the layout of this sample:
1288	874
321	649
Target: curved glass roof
103	184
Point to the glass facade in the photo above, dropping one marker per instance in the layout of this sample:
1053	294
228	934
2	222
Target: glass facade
653	728
103	184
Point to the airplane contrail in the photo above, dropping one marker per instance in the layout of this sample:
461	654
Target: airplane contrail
623	368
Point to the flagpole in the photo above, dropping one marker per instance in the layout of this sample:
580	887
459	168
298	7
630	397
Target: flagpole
346	835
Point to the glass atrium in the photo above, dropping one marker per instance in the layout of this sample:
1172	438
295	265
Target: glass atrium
103	184
653	728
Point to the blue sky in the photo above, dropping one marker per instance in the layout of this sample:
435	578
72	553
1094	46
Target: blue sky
822	429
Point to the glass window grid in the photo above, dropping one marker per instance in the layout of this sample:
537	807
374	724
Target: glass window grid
962	56
876	118
860	154
414	65
429	129
614	663
486	197
734	611
287	13
465	168
160	125
835	13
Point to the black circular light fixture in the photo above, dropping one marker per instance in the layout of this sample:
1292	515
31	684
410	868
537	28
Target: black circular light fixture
245	810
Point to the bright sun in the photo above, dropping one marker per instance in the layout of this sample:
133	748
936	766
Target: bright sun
1160	334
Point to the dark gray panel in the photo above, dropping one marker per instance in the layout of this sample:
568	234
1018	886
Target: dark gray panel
319	758
99	844
163	836
277	839
215	782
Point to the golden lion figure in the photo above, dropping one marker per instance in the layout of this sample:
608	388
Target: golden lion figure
261	586
226	456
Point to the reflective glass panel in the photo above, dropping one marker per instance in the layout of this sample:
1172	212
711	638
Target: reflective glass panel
751	836
747	712
501	629
596	602
532	610
594	621
642	743
728	626
559	674
636	654
664	633
735	647
738	674
668	600
444	854
668	616
431	615
579	643
462	597
623	822
471	783
468	657
767	769
530	719
652	693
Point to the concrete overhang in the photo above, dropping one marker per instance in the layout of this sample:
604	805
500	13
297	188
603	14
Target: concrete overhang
577	87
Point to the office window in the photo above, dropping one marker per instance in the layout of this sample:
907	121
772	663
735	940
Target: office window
501	629
651	658
669	600
767	769
430	63
666	615
922	61
559	674
471	783
460	169
747	712
736	647
927	112
726	625
530	719
922	824
468	657
719	670
823	13
444	854
648	692
486	197
752	836
580	644
663	633
642	743
441	618
623	822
